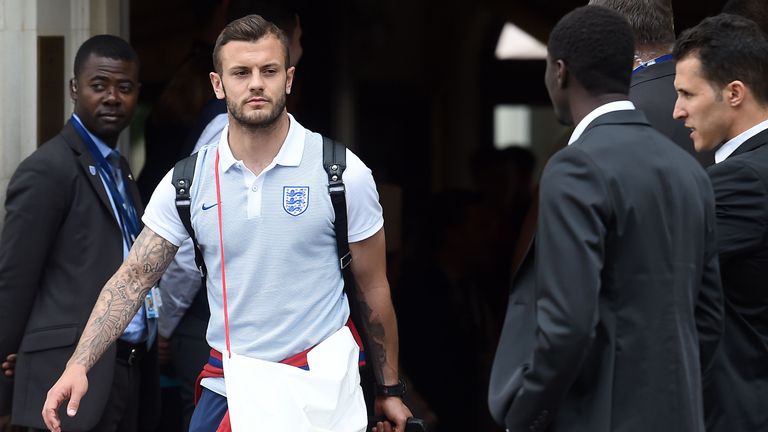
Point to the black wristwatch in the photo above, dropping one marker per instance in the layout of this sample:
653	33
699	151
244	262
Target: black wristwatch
398	389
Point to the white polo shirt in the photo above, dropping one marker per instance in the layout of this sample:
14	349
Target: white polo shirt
284	285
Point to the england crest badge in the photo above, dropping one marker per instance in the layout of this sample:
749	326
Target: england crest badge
295	199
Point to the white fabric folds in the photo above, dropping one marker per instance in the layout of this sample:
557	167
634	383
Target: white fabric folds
274	397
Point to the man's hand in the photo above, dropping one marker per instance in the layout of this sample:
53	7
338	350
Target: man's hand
9	365
72	385
394	410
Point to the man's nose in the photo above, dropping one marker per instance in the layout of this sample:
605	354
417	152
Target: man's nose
256	82
678	112
112	95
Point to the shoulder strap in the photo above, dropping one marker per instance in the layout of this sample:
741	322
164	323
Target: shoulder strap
335	162
183	174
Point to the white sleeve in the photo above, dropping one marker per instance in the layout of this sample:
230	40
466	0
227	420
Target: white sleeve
161	215
364	214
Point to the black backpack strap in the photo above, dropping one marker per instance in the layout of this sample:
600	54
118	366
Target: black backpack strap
183	174
335	162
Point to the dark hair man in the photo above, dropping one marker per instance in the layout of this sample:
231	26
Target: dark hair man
72	213
652	88
184	311
187	104
260	208
723	98
625	267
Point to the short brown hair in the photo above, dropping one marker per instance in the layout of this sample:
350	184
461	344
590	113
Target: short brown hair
250	28
651	20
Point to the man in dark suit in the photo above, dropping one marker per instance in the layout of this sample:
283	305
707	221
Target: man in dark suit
72	212
652	88
723	99
625	275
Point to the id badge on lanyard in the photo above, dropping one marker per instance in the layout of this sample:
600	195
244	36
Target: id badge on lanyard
153	302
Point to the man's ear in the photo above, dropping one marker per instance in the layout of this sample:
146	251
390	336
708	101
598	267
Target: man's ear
218	86
73	89
289	79
735	92
561	74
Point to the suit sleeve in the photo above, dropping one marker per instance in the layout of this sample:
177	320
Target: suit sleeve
709	305
741	208
570	244
35	207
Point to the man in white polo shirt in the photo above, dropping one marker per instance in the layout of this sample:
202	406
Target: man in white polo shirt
263	218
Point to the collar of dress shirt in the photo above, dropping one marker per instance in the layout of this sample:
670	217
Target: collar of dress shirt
104	149
731	145
290	152
597	112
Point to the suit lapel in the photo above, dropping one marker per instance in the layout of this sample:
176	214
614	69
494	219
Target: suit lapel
756	141
88	165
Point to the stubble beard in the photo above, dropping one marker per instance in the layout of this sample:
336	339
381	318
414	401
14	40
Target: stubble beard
260	121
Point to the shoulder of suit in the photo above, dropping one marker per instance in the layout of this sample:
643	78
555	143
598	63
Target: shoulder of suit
53	156
742	168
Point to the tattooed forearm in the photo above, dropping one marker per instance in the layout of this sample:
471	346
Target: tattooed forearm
122	296
374	311
381	332
375	333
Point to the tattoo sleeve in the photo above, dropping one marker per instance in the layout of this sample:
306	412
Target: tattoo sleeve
122	296
373	307
375	334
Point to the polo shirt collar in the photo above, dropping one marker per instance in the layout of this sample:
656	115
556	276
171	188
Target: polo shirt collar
290	154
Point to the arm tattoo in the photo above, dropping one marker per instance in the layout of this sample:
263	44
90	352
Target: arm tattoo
122	296
375	337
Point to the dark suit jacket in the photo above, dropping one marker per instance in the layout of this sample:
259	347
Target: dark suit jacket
736	387
626	288
518	339
61	242
652	90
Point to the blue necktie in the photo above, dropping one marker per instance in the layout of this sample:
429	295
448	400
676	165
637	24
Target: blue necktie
114	161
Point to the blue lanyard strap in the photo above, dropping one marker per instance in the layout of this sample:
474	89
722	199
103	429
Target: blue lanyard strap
128	219
657	60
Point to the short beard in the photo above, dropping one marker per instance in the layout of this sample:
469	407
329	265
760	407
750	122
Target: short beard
236	113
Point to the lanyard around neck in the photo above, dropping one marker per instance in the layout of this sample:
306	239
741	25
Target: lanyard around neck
221	248
657	60
126	212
